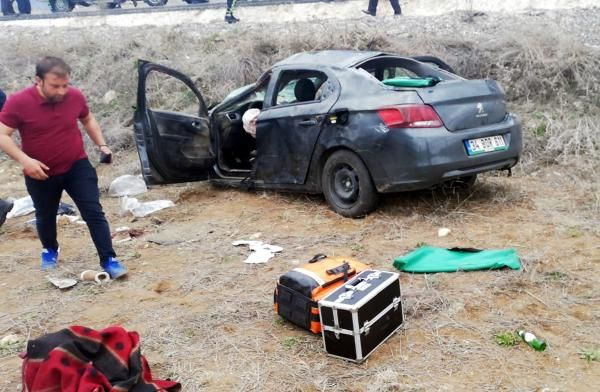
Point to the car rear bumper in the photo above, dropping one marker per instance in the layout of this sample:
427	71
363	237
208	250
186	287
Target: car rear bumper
410	159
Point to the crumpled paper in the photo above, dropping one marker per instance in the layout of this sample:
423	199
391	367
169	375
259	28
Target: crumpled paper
261	252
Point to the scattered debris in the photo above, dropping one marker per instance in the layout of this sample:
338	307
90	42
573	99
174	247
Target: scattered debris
139	210
127	185
532	340
443	231
60	219
62	283
22	206
66	209
124	234
95	276
261	252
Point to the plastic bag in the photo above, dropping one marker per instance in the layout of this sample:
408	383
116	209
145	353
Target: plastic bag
140	210
127	185
22	206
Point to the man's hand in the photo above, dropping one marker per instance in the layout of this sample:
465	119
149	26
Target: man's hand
35	169
105	150
105	154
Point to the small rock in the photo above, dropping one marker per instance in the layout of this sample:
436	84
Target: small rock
110	96
443	231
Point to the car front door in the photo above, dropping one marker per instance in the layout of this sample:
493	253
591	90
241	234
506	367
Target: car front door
171	126
297	103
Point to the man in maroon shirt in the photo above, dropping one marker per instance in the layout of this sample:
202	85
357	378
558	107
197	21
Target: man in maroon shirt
53	157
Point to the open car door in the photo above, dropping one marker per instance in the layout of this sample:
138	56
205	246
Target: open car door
171	126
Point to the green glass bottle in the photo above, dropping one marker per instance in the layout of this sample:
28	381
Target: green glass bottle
532	340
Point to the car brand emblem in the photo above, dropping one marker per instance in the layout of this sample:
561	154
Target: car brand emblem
480	111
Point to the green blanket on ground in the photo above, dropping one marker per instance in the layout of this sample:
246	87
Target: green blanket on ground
430	259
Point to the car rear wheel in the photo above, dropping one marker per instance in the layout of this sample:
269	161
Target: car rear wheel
347	185
61	5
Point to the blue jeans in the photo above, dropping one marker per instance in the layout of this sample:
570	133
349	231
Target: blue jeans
395	5
23	5
81	183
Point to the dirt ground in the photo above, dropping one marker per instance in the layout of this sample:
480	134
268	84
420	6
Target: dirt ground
206	318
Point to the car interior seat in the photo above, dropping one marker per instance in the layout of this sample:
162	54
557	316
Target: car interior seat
304	90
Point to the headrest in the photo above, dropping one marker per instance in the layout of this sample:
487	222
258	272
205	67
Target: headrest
304	90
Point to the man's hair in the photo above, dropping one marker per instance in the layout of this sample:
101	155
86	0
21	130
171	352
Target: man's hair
50	64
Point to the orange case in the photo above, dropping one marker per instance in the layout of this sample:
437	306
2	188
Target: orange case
298	291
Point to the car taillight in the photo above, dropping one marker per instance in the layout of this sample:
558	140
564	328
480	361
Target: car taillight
410	116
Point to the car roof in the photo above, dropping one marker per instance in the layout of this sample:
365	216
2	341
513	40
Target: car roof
340	58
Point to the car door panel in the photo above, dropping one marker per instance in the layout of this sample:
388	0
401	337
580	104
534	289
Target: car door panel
286	137
172	146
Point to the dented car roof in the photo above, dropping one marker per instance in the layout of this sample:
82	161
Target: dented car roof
340	58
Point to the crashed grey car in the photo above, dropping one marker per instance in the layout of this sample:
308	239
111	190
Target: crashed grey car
348	124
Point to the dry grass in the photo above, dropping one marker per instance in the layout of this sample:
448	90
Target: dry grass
206	318
551	78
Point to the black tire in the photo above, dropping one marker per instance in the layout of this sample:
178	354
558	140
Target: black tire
347	185
155	3
61	5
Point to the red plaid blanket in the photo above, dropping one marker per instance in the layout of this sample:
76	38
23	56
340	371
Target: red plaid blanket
80	359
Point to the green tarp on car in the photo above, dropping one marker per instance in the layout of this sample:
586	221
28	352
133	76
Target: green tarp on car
428	259
410	82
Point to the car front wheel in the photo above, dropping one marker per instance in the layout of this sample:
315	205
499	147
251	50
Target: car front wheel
347	185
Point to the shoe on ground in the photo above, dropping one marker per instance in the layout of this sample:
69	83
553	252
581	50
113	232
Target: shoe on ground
368	12
49	258
231	19
5	208
114	268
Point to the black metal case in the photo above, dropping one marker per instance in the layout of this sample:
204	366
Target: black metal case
359	316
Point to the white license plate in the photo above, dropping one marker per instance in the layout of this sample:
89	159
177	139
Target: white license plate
485	144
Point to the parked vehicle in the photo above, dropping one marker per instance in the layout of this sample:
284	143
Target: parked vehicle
68	5
330	123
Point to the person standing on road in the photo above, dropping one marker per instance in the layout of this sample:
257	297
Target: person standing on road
24	7
229	18
372	10
53	157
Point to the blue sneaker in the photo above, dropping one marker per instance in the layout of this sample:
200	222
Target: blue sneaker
49	258
114	268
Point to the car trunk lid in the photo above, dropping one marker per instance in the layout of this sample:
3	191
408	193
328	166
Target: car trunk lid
464	104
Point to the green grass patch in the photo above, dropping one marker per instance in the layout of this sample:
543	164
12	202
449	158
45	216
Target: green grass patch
507	338
590	355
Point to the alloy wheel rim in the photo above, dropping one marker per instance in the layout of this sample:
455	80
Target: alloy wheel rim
346	185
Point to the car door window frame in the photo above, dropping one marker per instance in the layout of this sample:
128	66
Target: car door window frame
272	91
